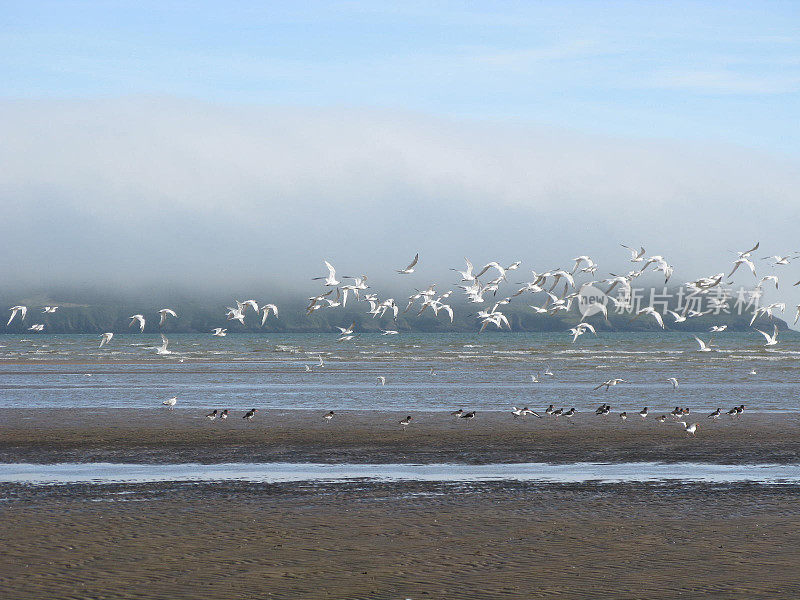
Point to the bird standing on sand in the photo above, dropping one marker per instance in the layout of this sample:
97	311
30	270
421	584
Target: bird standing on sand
643	413
689	428
715	415
457	413
212	415
250	414
623	415
406	422
468	416
328	417
224	414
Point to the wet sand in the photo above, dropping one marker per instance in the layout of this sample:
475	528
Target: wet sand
405	540
183	435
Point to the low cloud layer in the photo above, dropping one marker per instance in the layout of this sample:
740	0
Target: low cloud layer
149	194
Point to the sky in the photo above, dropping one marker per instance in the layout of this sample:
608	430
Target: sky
206	144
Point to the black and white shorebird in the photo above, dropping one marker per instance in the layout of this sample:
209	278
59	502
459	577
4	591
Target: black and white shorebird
549	410
643	413
457	413
676	412
662	418
604	410
469	415
715	415
329	416
736	411
558	412
623	415
570	413
250	414
212	415
406	422
224	414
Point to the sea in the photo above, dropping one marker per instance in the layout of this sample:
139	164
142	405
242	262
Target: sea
487	371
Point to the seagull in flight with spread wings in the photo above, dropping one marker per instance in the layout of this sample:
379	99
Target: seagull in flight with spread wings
330	280
164	312
410	268
139	319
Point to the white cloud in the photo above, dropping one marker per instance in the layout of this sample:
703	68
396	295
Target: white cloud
161	192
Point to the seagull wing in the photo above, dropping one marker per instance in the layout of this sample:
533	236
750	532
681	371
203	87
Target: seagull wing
413	262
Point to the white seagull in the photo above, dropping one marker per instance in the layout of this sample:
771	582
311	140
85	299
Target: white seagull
170	402
22	310
265	310
164	312
771	339
140	319
649	310
330	280
162	349
674	382
219	332
704	347
410	268
49	309
381	380
106	338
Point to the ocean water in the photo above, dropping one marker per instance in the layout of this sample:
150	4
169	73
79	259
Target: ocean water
488	371
642	472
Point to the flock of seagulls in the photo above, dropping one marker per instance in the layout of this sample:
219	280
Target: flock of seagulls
559	289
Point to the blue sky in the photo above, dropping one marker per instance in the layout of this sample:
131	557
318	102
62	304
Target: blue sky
151	143
711	71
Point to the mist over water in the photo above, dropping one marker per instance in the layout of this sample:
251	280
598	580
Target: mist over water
164	197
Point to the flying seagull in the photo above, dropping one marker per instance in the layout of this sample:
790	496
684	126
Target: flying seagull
410	268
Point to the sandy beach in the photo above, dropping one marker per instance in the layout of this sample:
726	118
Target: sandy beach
156	435
400	539
408	540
